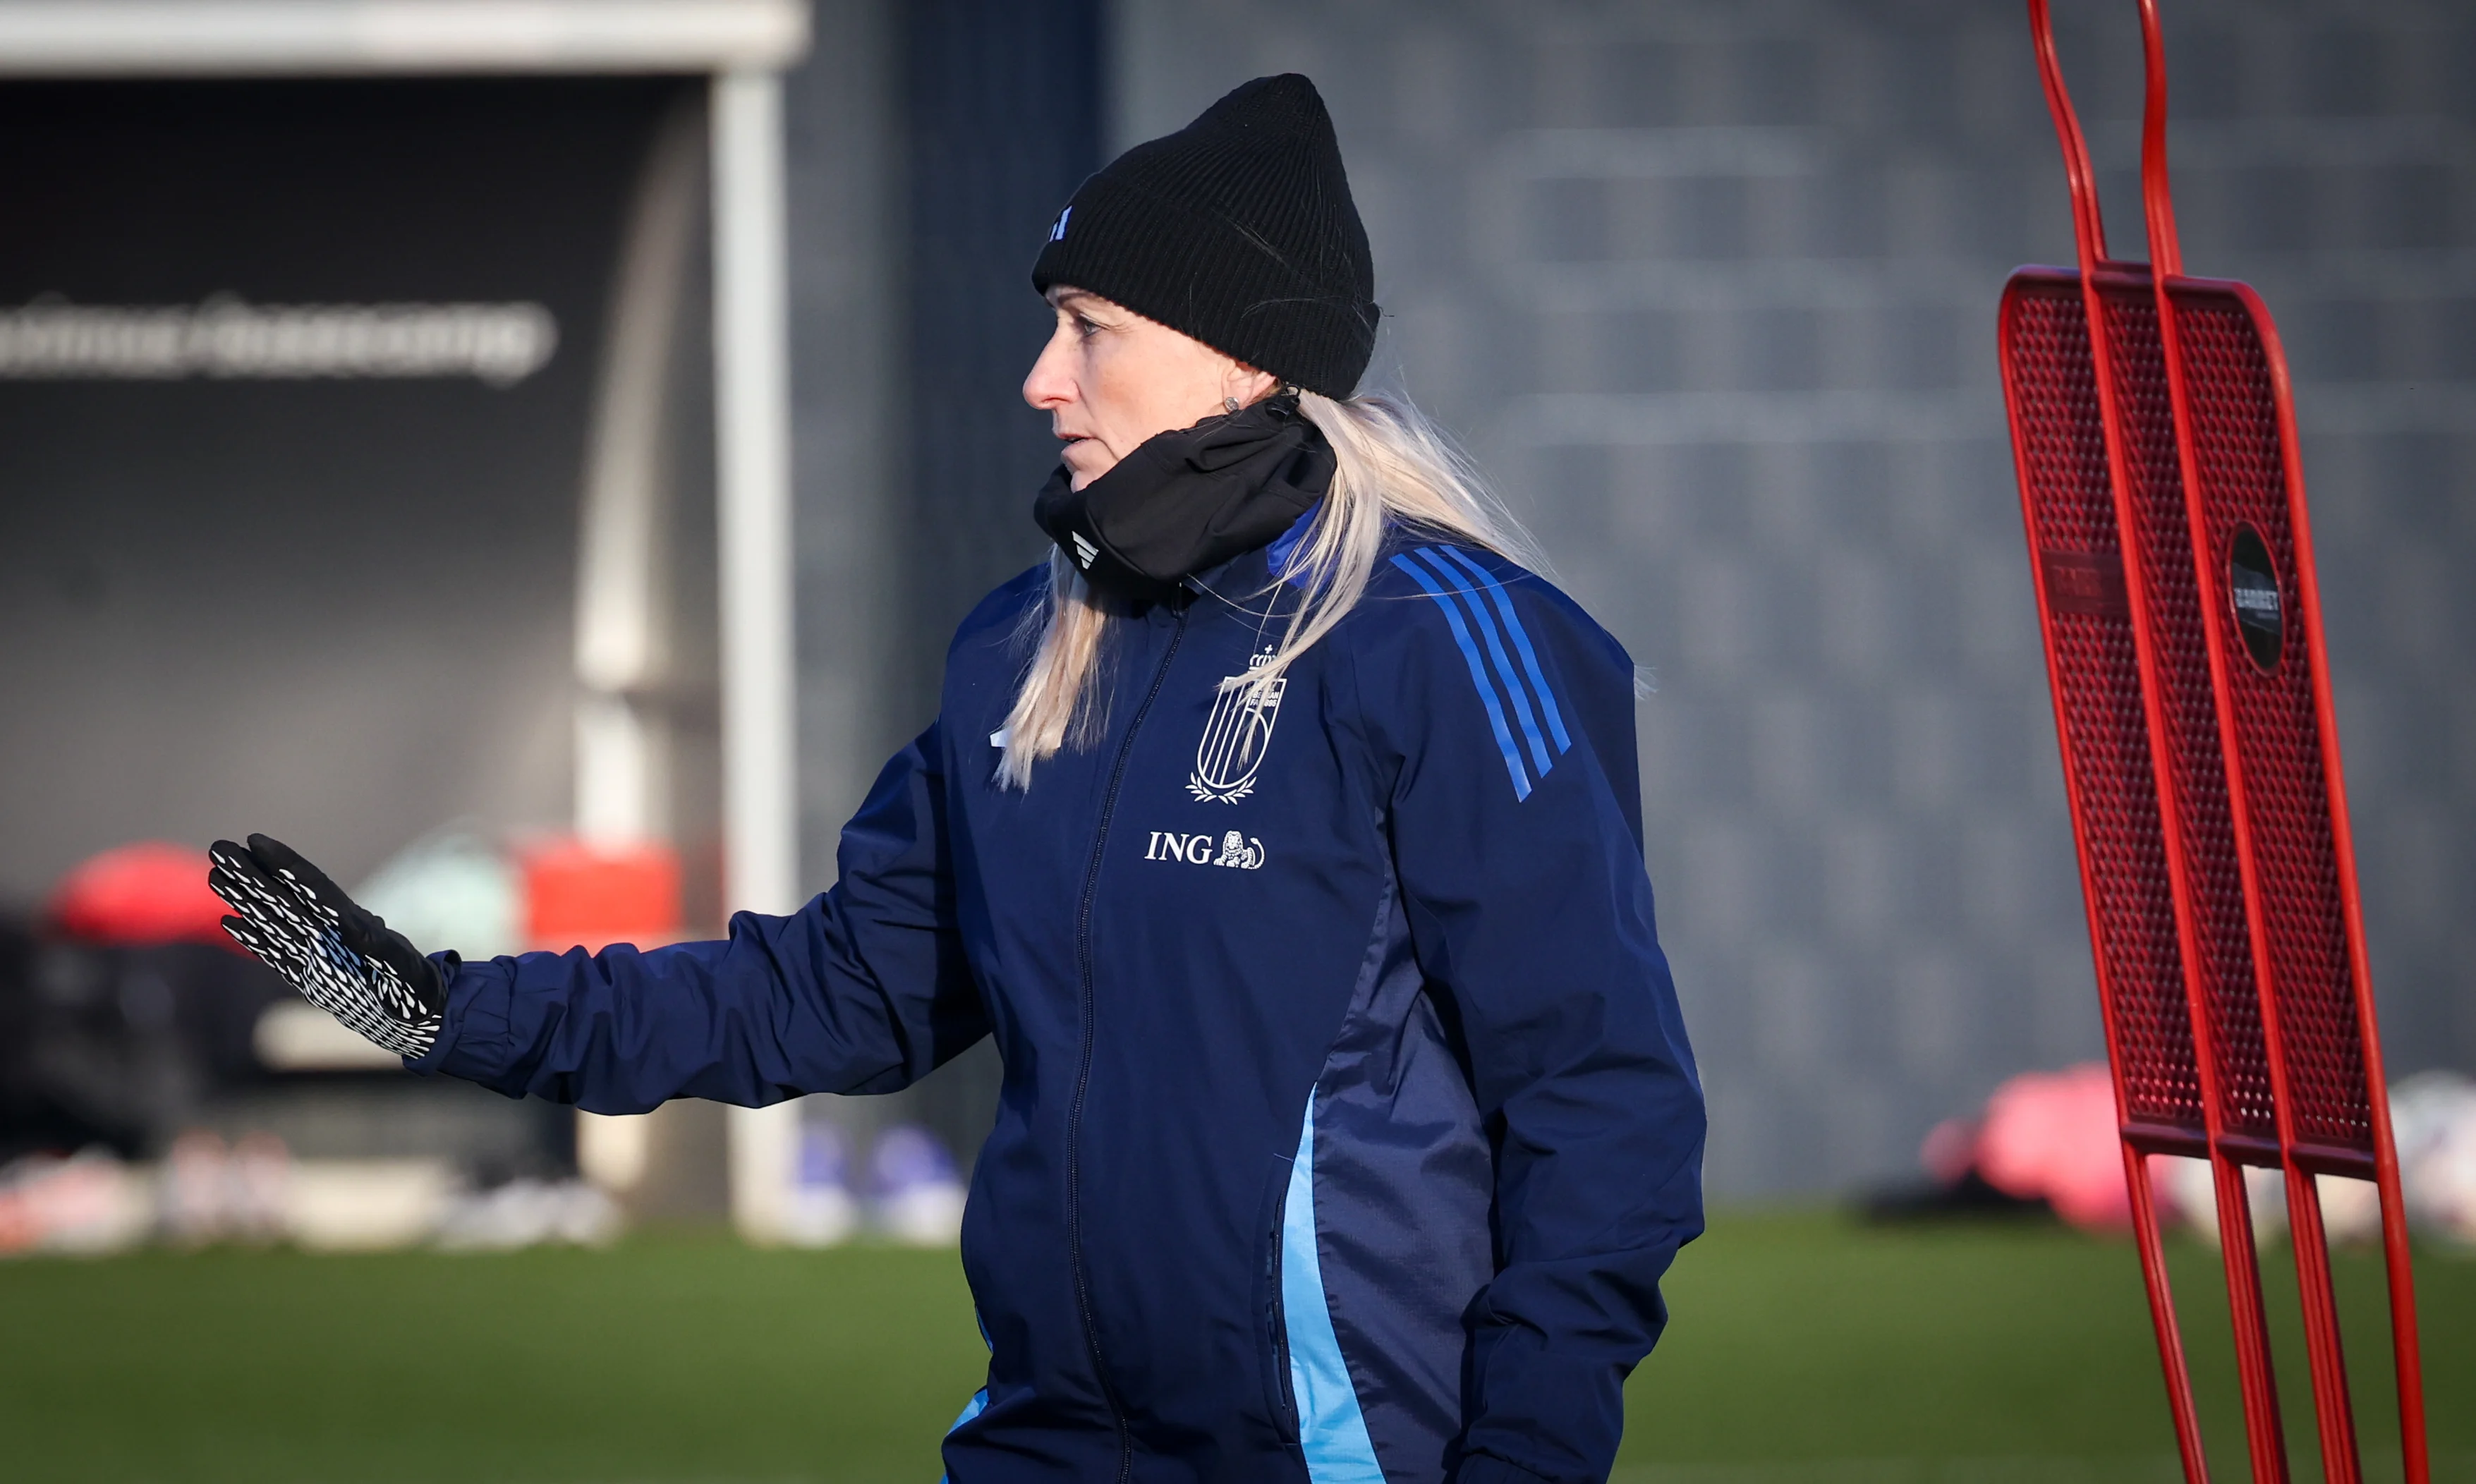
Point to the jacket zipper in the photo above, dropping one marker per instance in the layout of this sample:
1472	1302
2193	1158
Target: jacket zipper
1084	1073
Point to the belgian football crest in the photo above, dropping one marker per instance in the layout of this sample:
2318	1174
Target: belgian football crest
1238	734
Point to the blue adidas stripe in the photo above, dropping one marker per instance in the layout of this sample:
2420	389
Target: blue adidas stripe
972	1408
1478	673
1333	1427
1505	672
1520	641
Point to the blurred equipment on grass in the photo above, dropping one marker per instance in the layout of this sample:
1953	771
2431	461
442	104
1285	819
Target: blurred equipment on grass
2051	1136
918	1195
255	1194
91	1202
2049	1142
2433	1115
912	1193
528	1213
156	1084
823	1210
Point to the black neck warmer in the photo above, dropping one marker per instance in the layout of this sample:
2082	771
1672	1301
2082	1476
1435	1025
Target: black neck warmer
1189	499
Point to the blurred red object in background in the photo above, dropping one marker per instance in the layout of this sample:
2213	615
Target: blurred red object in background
2053	1134
578	893
151	891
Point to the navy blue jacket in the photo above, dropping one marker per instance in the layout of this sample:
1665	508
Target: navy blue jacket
1348	1123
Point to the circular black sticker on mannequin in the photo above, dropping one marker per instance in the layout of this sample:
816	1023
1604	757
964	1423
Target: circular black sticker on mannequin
2261	608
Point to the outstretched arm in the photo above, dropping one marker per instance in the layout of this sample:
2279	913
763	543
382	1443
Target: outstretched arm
864	989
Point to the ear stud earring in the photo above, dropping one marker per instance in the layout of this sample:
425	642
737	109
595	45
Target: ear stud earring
1230	403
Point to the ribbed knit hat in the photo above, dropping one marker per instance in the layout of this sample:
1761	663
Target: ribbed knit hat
1239	231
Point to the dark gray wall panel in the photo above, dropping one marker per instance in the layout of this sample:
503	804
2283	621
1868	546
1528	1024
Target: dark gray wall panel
1002	121
930	145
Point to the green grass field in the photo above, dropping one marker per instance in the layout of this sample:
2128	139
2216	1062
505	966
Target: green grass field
1802	1349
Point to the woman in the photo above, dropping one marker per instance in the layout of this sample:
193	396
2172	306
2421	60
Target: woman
1283	833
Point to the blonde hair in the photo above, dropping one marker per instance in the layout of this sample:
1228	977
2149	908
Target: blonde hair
1392	467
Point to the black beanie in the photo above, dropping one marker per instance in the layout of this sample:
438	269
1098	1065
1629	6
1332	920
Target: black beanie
1239	231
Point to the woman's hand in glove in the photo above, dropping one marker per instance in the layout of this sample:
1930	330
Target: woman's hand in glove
343	958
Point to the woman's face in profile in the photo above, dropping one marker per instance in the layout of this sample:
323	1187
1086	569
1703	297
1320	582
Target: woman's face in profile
1111	379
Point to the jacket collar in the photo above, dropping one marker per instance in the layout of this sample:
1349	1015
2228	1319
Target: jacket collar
1190	500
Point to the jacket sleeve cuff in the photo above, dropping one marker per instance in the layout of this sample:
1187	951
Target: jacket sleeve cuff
473	1034
1488	1469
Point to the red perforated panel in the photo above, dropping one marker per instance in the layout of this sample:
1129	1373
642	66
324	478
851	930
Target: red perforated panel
2160	536
2242	471
2068	500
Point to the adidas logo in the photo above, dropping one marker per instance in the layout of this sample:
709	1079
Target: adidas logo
1084	550
1058	233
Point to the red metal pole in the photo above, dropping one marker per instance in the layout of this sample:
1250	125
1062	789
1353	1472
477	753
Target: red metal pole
2090	236
2089	224
2336	1435
2264	1429
2162	1317
2333	1408
2398	1258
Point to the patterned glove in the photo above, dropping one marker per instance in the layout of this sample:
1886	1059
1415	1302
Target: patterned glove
343	958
